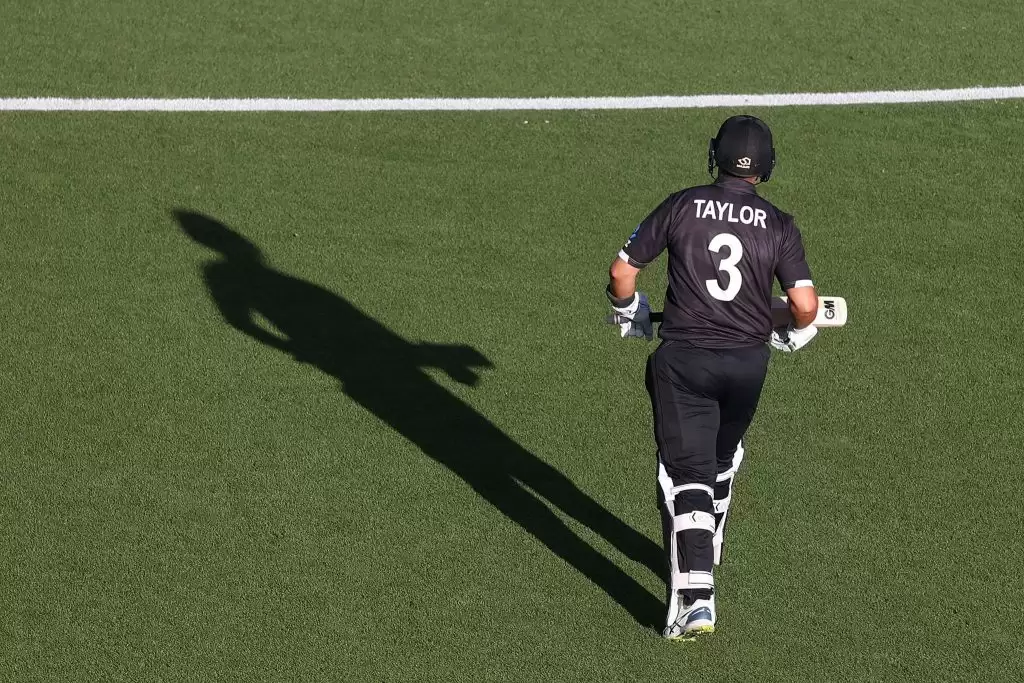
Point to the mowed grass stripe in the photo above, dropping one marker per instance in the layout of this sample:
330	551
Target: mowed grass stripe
511	103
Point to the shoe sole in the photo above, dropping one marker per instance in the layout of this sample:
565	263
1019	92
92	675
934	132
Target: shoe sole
693	634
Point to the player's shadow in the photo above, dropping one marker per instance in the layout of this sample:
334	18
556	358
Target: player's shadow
384	373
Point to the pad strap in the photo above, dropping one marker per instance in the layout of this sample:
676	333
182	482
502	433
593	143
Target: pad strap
676	490
721	505
694	520
692	581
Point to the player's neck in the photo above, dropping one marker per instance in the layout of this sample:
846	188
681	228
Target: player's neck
726	176
736	181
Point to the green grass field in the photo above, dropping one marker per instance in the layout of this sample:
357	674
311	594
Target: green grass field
319	490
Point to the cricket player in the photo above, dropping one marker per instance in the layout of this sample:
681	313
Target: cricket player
725	245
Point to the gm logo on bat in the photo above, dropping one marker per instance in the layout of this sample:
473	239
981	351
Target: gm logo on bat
830	309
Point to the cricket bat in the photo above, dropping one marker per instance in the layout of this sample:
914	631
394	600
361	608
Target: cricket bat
831	312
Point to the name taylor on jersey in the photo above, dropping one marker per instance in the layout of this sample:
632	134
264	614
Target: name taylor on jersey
726	211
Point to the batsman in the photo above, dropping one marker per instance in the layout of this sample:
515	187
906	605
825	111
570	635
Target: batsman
725	246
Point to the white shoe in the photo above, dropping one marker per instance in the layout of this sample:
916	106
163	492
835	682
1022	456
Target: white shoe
697	618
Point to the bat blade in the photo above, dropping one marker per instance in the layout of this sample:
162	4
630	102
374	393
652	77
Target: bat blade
831	312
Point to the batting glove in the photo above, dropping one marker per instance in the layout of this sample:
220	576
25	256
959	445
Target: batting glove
638	318
789	339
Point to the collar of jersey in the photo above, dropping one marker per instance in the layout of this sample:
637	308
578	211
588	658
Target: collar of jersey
735	184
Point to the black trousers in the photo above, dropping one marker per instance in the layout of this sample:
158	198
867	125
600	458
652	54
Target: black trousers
703	400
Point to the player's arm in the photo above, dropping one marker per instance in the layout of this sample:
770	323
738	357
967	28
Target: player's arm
794	275
622	280
645	244
803	305
628	304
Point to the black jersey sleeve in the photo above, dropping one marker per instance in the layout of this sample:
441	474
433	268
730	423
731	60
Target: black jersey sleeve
650	237
792	269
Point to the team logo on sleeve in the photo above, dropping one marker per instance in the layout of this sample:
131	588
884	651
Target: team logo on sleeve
632	237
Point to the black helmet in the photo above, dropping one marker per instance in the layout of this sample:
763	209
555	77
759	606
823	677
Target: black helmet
743	148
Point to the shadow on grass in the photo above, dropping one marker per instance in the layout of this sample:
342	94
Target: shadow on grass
383	372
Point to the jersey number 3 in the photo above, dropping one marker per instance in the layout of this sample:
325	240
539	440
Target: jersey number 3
728	266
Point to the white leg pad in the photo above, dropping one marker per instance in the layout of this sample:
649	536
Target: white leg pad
680	580
721	505
717	541
691	579
737	459
721	508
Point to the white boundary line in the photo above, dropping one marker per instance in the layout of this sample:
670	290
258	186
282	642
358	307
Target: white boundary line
510	103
